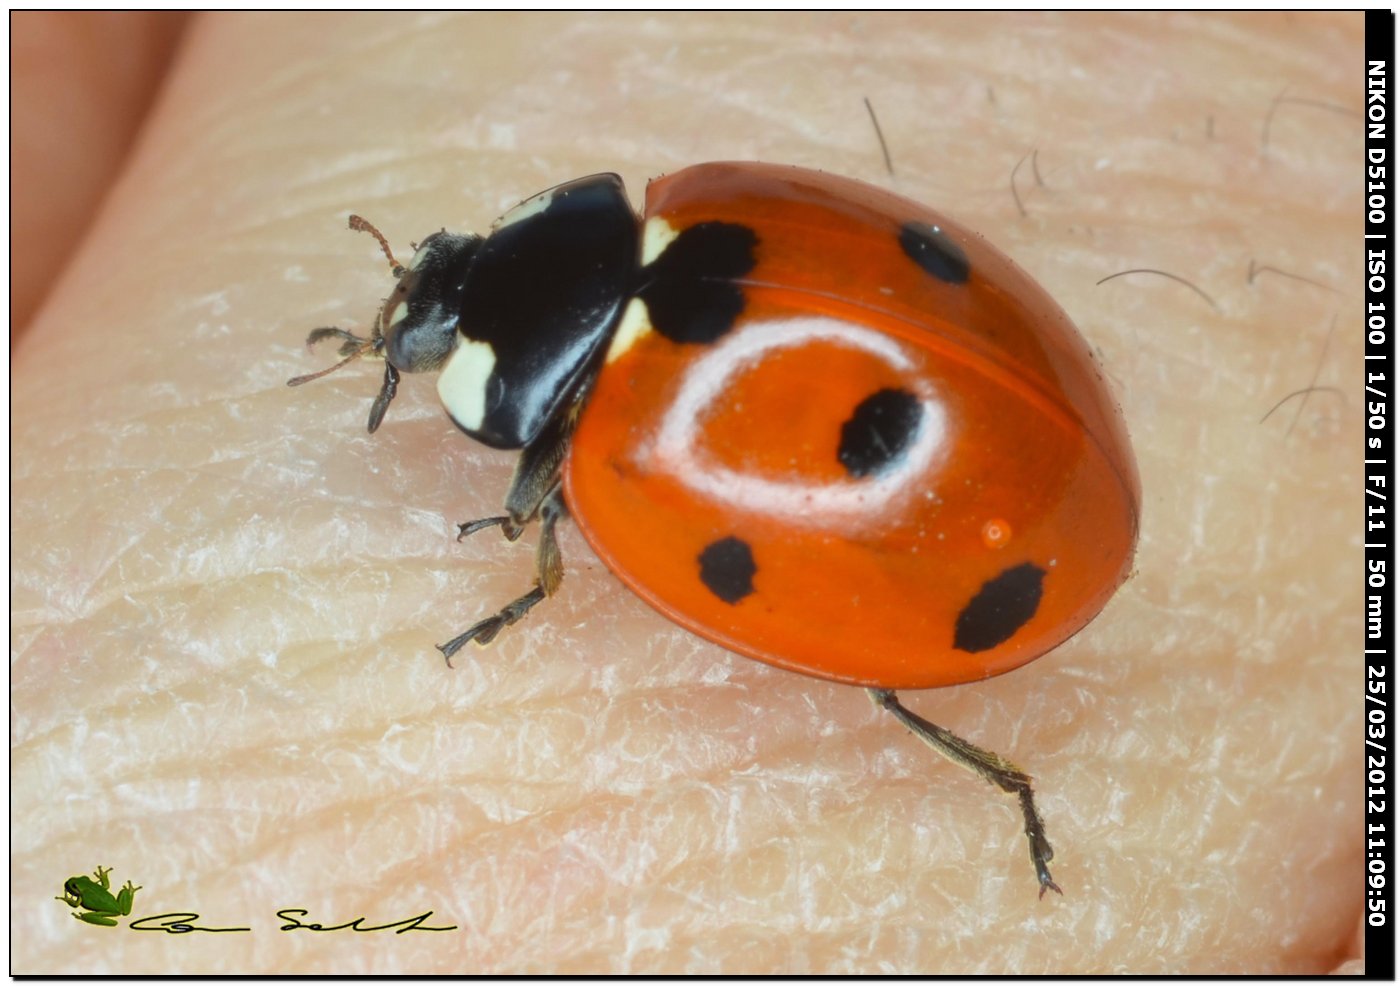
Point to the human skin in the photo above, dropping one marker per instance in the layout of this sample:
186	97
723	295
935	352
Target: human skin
83	80
225	594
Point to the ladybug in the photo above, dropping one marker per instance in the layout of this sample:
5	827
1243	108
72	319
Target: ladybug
817	423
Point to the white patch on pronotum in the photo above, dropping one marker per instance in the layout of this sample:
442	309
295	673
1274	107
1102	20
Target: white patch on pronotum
399	313
532	206
462	383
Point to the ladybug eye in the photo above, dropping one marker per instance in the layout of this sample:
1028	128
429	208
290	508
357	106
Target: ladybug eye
419	320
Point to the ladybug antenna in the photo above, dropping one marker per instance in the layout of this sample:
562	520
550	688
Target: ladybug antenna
362	225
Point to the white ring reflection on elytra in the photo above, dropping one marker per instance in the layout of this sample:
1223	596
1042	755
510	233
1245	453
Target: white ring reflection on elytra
677	446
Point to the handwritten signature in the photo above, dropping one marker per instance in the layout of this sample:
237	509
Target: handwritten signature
182	923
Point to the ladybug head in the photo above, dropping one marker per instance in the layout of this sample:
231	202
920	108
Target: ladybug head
419	319
417	325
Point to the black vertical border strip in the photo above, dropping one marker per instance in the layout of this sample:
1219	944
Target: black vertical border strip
1378	520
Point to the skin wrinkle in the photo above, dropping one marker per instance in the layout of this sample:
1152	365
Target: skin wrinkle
682	809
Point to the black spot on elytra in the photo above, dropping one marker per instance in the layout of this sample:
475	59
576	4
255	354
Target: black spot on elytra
727	569
1001	607
690	290
879	431
934	250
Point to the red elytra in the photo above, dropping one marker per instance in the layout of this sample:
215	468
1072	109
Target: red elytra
860	579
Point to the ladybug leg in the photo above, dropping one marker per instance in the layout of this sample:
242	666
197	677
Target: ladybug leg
350	343
536	479
353	347
387	391
535	493
990	767
549	572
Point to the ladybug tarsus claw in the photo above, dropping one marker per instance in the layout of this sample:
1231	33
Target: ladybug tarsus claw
472	526
484	631
450	648
481	634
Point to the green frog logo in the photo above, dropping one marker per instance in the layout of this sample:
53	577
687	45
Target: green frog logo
92	901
